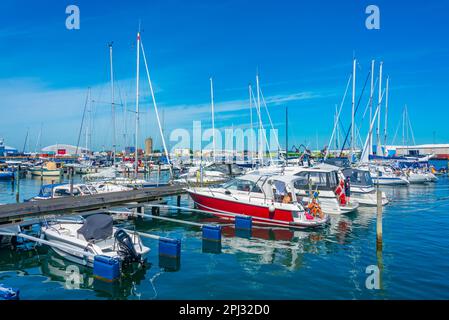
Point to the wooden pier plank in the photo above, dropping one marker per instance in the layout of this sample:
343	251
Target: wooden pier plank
10	212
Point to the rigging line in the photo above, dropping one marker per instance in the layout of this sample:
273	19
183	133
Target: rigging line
261	125
355	112
269	118
411	129
338	116
369	100
82	121
155	108
396	133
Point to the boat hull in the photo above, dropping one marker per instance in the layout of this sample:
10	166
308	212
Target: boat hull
387	181
46	173
261	214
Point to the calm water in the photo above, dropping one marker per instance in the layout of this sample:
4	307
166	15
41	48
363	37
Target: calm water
273	263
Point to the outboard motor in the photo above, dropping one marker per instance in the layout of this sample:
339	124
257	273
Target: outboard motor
126	247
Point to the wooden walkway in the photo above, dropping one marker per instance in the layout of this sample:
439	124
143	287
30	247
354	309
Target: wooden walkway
17	211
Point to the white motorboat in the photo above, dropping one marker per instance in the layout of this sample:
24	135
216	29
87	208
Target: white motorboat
97	236
386	175
108	186
59	190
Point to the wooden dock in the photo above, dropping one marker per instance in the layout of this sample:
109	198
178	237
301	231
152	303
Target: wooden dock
65	205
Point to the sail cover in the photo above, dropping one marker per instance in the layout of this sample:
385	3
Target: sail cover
97	227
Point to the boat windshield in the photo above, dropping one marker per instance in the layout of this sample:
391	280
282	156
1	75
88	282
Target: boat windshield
242	185
63	192
320	180
359	177
84	189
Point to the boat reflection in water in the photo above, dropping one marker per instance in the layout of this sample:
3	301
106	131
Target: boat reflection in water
286	247
77	277
42	261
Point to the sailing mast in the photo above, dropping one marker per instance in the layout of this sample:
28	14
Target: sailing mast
286	135
386	112
136	152
155	109
112	106
378	146
370	150
251	123
353	107
89	104
260	119
213	119
38	142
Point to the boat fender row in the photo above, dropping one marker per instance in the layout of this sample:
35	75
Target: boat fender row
243	222
7	293
106	268
211	233
170	248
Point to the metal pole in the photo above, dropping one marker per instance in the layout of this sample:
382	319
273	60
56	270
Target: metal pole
136	152
379	219
353	107
213	119
112	106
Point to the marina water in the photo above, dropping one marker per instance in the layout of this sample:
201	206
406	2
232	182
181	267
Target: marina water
272	264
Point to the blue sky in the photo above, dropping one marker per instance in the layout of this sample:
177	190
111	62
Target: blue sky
302	49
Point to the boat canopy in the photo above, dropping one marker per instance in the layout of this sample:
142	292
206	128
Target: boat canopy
97	227
361	178
46	190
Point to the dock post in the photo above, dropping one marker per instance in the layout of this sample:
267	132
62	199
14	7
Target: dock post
379	219
71	170
18	187
178	200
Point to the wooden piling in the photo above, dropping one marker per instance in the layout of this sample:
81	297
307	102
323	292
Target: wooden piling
379	219
18	187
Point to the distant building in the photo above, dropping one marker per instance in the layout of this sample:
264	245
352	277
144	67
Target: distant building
148	146
440	151
64	150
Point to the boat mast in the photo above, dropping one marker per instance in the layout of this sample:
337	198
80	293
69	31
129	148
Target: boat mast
337	128
353	106
370	150
213	119
88	119
386	112
112	105
286	135
260	119
136	152
251	122
38	142
378	146
155	109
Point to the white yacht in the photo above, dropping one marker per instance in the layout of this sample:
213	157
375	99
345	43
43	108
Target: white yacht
95	235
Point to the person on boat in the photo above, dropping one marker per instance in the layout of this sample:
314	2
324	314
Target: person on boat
287	198
348	189
315	208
